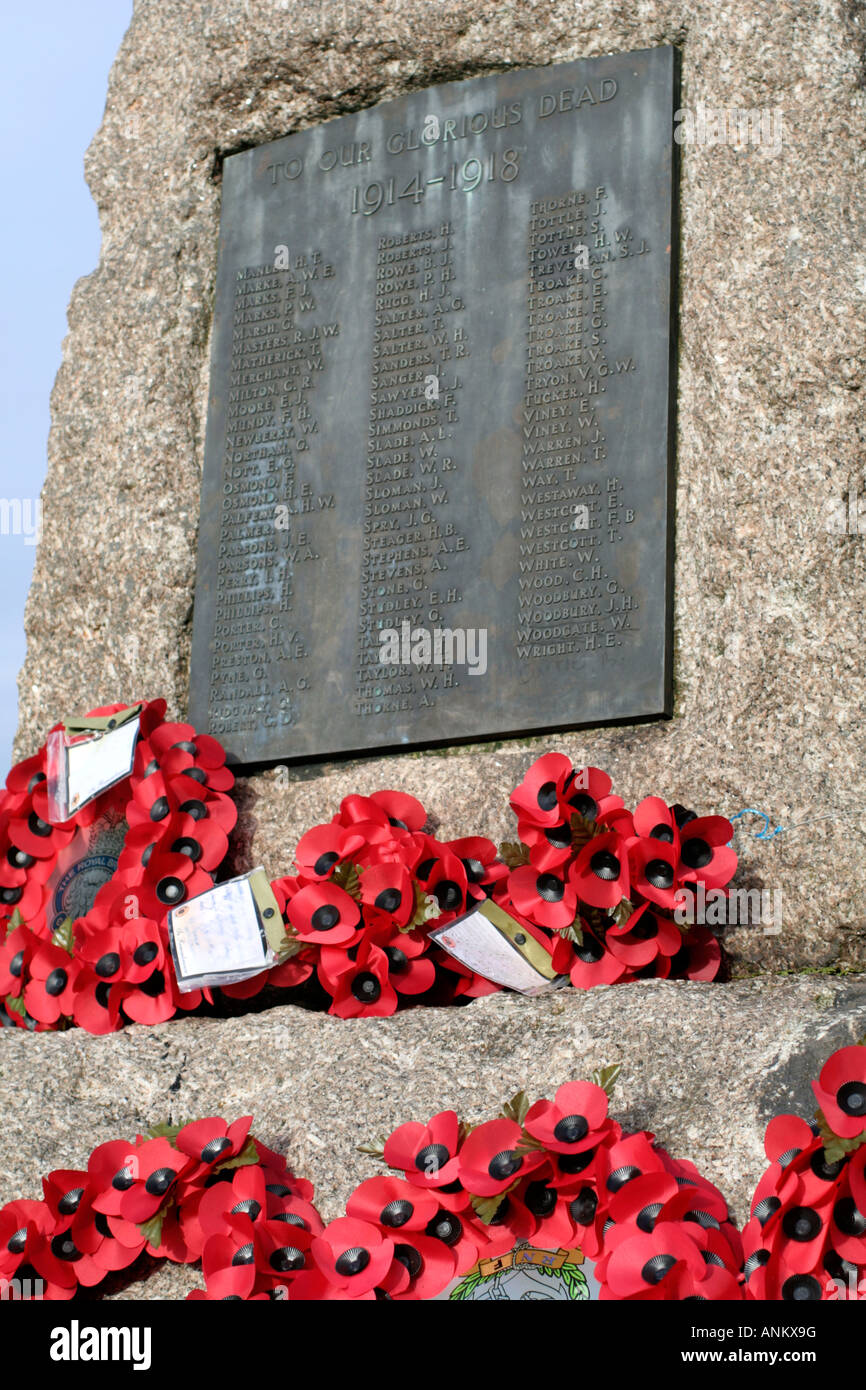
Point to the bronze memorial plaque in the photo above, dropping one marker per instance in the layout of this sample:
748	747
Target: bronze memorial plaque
438	483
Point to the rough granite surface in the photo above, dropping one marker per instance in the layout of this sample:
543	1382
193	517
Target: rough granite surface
769	663
769	660
704	1068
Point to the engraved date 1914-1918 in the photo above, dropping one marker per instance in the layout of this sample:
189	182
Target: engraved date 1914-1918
463	177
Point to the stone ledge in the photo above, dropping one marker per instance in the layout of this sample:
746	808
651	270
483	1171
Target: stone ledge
704	1067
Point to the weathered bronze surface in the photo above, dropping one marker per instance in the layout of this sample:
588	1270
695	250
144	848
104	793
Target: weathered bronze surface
438	475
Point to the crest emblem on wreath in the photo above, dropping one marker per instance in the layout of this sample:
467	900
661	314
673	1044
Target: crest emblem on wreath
528	1273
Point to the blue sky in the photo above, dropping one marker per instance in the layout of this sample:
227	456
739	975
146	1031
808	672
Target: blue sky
54	59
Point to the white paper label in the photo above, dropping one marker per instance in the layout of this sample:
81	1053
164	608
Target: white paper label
97	763
218	933
475	942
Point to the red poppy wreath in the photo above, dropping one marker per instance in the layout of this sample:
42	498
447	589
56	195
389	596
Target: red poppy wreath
550	1200
593	888
606	894
83	900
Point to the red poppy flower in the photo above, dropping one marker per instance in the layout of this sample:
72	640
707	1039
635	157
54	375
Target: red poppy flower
573	1121
151	1002
489	1161
766	1203
148	1181
393	1204
616	817
756	1259
89	1247
426	1154
152	801
588	964
847	1232
445	881
170	879
419	852
785	1139
158	998
23	884
768	1277
653	819
108	1242
243	1195
720	1241
804	1232
32	832
699	956
277	1171
97	1002
408	973
64	1189
332	962
857	1178
229	1268
550	847
705	852
630	1157
25	776
325	915
16	952
294	1211
30	1250
537	1210
643	937
179	748
325	846
430	1264
362	814
282	1252
388	893
97	947
589	1214
212	1141
552	789
638	1205
646	1260
286	976
481	864
164	736
202	805
204	842
173	1243
546	898
600	874
354	1256
697	1193
841	1091
457	981
456	1229
653	872
49	994
572	1171
143	948
285	889
404	812
365	990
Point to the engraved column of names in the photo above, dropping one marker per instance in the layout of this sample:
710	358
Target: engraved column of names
409	534
571	513
268	508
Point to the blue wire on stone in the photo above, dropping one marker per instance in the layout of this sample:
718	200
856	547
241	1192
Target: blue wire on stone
764	834
767	834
